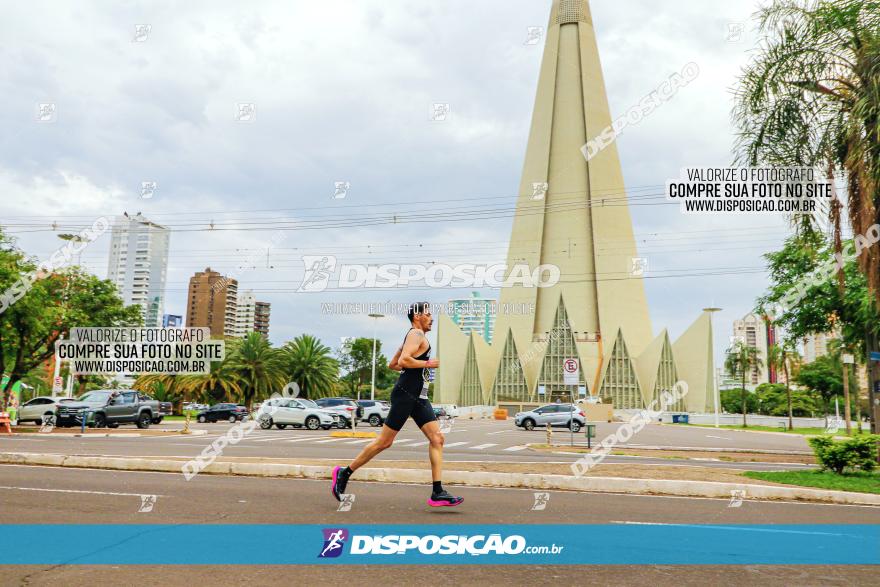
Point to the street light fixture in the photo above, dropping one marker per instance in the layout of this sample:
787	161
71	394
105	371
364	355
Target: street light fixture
715	391
373	377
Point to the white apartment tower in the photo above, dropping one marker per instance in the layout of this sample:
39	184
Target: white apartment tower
138	264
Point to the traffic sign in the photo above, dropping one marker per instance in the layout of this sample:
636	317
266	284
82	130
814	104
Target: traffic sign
571	370
875	356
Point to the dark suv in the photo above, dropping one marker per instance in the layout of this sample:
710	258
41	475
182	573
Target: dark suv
218	412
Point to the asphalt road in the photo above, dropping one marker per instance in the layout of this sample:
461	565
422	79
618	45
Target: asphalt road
43	495
469	440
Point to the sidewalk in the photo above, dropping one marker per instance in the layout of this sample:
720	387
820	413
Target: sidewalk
627	479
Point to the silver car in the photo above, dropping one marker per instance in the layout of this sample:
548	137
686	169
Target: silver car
565	415
283	412
35	409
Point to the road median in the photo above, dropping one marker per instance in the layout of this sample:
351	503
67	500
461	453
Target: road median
464	473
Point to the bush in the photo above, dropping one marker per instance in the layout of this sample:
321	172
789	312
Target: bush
852	454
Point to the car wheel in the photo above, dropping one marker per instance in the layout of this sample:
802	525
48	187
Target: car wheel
144	420
574	425
266	423
313	423
157	420
325	426
281	426
113	425
342	423
100	421
232	419
528	424
375	420
202	419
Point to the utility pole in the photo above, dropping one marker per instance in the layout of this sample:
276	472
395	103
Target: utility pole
373	376
848	360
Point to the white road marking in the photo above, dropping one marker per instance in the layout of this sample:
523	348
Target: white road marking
718	437
360	441
422	443
500	432
482	446
299	439
451	444
75	491
515	448
329	440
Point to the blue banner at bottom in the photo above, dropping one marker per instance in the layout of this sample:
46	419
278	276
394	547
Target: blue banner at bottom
516	544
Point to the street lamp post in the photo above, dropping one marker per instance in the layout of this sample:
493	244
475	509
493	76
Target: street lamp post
715	397
373	377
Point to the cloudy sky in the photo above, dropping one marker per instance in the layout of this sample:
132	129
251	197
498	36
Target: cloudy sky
342	92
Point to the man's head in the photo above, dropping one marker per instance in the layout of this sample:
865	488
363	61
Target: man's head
419	315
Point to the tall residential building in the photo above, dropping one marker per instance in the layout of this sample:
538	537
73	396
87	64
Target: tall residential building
251	315
474	314
212	302
816	345
138	264
757	332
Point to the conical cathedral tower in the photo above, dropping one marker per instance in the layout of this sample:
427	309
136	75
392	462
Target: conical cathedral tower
571	213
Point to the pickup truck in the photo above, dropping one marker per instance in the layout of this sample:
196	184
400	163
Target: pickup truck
109	407
165	408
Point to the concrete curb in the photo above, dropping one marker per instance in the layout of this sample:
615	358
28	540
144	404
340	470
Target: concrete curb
163	434
469	478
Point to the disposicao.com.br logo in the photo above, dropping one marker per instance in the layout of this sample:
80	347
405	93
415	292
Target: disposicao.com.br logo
450	544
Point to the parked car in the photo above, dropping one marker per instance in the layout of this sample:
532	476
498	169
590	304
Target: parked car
283	412
194	407
374	412
565	415
344	407
218	412
35	409
165	409
108	407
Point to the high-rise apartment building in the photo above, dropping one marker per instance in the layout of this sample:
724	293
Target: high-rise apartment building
474	314
251	315
755	331
138	264
212	302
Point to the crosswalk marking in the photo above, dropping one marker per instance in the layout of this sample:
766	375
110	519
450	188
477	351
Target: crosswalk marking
451	444
515	448
299	439
360	441
422	443
329	440
482	446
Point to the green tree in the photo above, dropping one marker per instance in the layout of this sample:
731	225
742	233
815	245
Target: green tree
163	387
221	384
311	365
732	401
781	357
260	368
822	377
54	303
355	360
740	361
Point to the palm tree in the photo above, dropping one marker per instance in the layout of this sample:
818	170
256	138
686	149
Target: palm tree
311	365
742	359
810	98
163	387
783	357
221	383
259	367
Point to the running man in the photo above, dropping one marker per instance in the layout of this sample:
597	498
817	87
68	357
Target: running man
409	398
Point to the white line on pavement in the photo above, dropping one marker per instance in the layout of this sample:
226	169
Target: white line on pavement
299	439
329	440
360	441
451	444
422	443
515	448
75	491
482	446
499	432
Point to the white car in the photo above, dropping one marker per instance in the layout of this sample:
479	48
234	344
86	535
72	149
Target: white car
35	409
375	412
283	412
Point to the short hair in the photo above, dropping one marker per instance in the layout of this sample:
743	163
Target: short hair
416	308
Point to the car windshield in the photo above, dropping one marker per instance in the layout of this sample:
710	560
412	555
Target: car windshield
308	403
95	396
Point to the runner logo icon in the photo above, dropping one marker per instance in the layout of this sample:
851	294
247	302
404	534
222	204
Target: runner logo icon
334	541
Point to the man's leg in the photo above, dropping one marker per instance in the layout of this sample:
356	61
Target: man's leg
431	430
427	422
383	441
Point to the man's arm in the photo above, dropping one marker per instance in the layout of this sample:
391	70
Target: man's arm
393	365
411	348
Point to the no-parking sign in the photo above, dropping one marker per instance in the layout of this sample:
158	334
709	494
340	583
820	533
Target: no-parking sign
571	371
